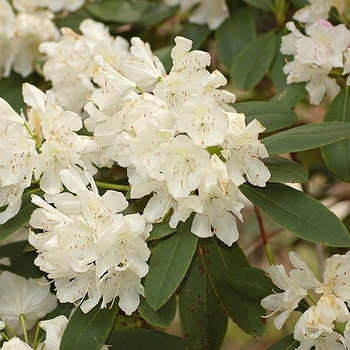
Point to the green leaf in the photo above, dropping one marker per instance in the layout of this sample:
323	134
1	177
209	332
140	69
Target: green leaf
22	263
164	55
291	95
73	20
88	331
203	320
197	33
299	213
251	282
162	317
287	343
169	264
156	12
276	71
267	5
146	339
234	34
254	61
337	155
219	260
306	137
21	218
117	11
161	230
11	90
273	116
285	170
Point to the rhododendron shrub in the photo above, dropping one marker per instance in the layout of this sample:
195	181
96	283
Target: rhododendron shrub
132	164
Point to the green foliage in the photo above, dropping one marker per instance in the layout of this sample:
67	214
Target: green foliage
254	61
337	155
88	331
146	339
299	213
305	137
203	320
287	343
169	264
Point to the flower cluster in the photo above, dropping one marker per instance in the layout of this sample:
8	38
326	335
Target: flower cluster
317	54
88	247
210	12
182	143
317	326
180	139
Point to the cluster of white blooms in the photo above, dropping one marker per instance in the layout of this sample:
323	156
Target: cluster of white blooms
210	12
316	328
180	140
324	48
23	26
88	247
40	144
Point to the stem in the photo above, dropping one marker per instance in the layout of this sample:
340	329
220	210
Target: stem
37	143
10	330
36	336
280	9
109	186
25	334
267	247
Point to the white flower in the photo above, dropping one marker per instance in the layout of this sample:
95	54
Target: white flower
16	344
317	323
336	277
88	247
243	150
293	285
211	12
314	10
54	329
31	297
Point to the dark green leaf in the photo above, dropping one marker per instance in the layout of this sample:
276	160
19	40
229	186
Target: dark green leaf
162	317
291	95
11	91
73	20
251	282
337	155
156	12
276	72
234	34
169	264
197	33
285	171
146	339
267	5
164	55
161	230
203	320
21	218
88	331
22	263
273	116
299	213
117	11
219	260
287	343
254	61
307	137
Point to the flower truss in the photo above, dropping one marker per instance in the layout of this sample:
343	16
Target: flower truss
318	326
177	137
